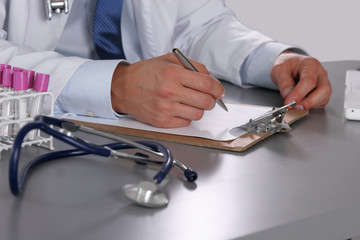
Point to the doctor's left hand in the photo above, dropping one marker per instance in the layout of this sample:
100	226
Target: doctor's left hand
302	79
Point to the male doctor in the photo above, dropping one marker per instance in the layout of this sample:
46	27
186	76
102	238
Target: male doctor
90	76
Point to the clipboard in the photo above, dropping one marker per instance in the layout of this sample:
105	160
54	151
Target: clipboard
239	144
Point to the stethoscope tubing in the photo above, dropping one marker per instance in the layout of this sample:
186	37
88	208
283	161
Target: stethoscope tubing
83	148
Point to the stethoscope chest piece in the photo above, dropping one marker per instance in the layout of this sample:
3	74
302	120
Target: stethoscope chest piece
146	194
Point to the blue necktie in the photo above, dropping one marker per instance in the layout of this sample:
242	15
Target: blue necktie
106	31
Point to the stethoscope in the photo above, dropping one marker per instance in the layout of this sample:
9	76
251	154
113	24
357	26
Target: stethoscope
145	193
56	6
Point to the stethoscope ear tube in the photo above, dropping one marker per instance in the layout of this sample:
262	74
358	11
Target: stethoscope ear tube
15	154
169	161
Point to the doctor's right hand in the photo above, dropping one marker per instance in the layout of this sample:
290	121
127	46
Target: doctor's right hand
160	92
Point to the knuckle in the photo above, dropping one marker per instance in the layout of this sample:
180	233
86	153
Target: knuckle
159	115
203	69
277	68
207	85
315	62
162	123
324	74
326	102
328	90
167	72
160	109
208	102
307	104
310	81
186	123
165	91
159	120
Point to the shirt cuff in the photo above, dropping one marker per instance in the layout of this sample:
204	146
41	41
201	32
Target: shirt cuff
256	68
88	92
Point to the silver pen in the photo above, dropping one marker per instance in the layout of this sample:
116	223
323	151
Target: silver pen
187	64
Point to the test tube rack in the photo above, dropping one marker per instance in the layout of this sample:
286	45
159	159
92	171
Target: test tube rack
9	124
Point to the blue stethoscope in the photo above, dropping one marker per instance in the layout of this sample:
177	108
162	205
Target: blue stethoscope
145	193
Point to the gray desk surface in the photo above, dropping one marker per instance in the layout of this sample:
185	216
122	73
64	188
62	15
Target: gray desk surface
301	185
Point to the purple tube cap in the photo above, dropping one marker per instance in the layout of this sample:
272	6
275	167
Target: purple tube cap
41	82
7	80
20	81
5	66
17	69
31	77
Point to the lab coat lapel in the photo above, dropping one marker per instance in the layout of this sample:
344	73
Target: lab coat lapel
153	26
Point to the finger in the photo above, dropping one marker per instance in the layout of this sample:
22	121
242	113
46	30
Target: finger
314	87
308	81
196	99
176	122
171	122
319	97
190	88
203	83
200	67
198	82
188	112
282	77
172	114
314	101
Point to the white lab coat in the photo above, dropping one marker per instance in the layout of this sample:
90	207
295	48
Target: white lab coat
205	30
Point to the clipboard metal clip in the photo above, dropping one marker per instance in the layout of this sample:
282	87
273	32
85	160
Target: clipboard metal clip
271	121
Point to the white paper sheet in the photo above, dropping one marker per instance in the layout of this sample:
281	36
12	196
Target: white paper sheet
215	124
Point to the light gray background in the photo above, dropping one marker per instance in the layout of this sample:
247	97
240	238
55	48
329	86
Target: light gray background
327	29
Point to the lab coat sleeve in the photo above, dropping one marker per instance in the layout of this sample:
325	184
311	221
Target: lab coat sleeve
58	67
204	30
255	71
214	36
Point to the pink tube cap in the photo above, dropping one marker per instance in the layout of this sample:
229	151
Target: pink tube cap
41	82
2	67
7	80
5	66
31	77
20	81
17	69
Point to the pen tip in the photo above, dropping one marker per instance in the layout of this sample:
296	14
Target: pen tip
222	105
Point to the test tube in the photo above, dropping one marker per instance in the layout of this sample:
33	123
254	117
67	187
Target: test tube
41	84
31	77
21	84
6	114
